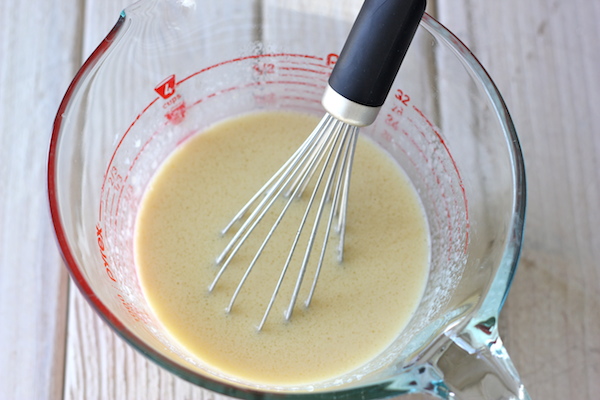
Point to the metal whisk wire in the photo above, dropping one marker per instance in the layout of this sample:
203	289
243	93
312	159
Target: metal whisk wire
357	88
330	147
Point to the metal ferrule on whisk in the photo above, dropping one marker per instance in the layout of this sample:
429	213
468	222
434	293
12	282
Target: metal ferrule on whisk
348	111
358	86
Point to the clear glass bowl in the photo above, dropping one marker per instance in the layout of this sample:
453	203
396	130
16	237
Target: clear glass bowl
171	68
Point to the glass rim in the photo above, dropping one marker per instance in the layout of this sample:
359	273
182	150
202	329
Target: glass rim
509	259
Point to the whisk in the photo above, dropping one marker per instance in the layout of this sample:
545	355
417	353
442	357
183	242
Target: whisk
359	83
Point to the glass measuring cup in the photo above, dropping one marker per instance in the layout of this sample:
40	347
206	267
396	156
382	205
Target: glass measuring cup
171	68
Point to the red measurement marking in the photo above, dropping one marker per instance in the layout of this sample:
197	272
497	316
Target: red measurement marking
112	206
124	180
166	88
108	205
387	136
171	102
315	94
403	97
126	194
139	154
460	181
398	110
274	55
135	159
322	79
132	309
233	88
304	63
332	59
425	138
265	99
293	83
434	174
304	99
264	68
304	70
117	148
416	166
177	114
186	137
420	150
392	122
101	246
115	179
120	196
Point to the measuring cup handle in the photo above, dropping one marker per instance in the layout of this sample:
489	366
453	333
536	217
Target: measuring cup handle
473	365
487	373
374	50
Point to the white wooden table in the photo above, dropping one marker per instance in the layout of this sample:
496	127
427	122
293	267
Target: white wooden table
543	54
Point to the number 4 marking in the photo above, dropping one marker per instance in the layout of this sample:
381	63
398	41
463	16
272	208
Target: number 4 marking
166	88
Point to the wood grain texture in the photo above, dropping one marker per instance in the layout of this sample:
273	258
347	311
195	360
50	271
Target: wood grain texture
38	59
544	56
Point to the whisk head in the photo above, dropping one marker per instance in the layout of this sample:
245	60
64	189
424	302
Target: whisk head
324	163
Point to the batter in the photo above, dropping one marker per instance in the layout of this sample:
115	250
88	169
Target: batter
360	305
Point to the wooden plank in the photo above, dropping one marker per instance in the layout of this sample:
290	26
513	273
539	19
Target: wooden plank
38	60
544	57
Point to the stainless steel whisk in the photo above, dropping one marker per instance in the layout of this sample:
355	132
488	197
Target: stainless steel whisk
357	88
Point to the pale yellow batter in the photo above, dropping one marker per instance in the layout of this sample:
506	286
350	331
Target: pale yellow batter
359	307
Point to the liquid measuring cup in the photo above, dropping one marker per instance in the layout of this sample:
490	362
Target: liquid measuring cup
171	68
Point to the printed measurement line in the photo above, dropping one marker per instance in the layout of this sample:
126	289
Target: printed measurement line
200	100
393	121
312	71
256	56
238	59
460	180
420	173
301	98
441	162
134	161
318	79
110	205
233	88
139	153
317	93
432	170
185	137
117	148
440	202
120	195
325	66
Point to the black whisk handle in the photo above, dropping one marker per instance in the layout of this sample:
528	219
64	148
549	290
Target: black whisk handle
375	48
